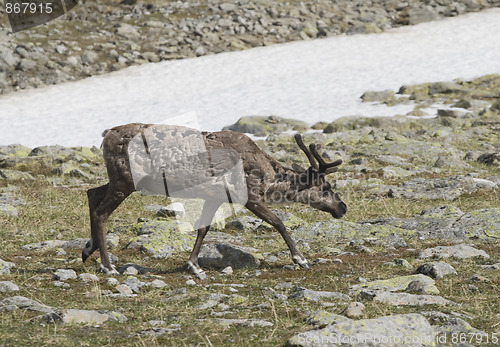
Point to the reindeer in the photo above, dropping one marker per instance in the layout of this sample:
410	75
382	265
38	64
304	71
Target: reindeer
265	180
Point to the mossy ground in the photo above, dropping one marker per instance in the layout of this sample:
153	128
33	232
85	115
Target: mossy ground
62	213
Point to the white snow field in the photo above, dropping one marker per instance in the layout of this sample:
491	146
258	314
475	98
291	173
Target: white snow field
309	80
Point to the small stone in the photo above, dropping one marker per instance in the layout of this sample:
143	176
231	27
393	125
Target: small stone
478	278
190	282
228	7
61	284
199	51
61	49
133	283
8	286
124	290
354	310
89	57
130	271
112	281
422	286
128	31
5	267
158	284
283	285
64	274
86	277
227	270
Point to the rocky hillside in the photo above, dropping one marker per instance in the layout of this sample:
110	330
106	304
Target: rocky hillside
416	257
97	37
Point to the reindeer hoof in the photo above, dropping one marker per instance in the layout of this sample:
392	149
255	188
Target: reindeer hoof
305	266
197	271
302	262
107	271
201	275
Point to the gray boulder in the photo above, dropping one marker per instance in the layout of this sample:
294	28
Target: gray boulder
395	284
64	274
221	255
73	316
20	302
266	125
449	222
458	251
370	332
403	299
316	296
436	269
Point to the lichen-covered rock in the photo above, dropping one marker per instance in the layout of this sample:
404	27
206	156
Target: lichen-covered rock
455	326
313	295
246	223
262	125
321	319
14	150
8	210
458	251
8	286
221	255
5	267
20	302
332	230
394	284
403	299
411	327
384	96
15	175
162	238
449	222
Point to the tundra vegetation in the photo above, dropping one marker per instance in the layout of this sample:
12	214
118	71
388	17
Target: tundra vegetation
418	247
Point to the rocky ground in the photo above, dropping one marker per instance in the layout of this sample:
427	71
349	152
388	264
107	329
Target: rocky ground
416	257
97	37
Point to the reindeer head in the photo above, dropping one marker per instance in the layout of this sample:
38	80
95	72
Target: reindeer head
314	190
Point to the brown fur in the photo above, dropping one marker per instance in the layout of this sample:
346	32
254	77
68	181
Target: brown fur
265	178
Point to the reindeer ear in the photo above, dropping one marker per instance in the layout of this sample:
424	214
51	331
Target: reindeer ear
298	169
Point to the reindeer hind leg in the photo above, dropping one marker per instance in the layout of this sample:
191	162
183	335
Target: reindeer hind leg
95	197
207	214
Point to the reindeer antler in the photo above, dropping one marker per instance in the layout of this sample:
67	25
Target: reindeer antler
300	142
315	158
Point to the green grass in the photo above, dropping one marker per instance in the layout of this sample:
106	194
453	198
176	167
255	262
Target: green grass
62	213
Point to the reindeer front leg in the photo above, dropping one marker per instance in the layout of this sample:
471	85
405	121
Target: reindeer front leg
115	194
263	212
